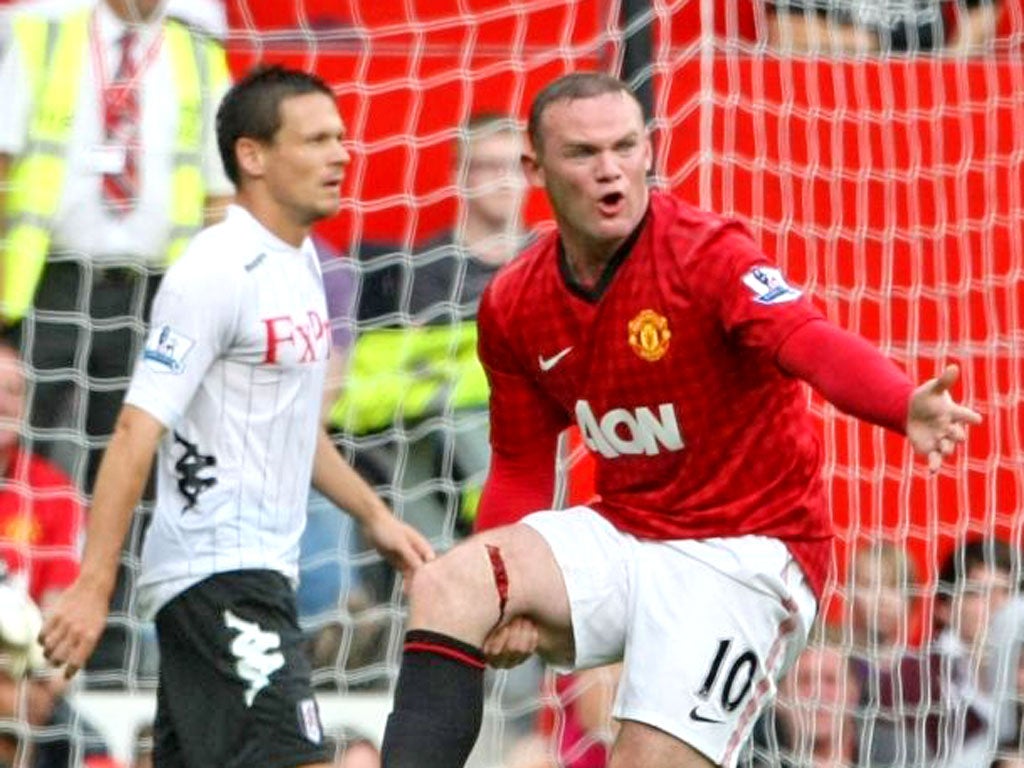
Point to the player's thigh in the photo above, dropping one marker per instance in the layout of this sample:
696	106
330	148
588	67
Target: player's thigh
640	744
235	684
713	626
592	559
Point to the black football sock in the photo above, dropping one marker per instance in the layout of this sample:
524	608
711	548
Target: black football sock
439	703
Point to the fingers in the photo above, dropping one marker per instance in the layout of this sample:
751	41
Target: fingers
963	415
62	647
512	643
948	378
495	641
422	546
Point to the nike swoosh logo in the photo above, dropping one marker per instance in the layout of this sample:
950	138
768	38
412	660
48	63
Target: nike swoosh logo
547	363
695	715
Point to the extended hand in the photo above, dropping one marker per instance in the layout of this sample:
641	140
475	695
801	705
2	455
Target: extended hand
935	422
512	643
73	627
400	544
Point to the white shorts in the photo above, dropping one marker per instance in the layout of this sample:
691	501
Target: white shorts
705	628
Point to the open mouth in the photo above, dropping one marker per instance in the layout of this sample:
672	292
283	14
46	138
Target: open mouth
612	203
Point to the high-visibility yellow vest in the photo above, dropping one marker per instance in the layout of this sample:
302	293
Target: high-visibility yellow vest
403	375
54	51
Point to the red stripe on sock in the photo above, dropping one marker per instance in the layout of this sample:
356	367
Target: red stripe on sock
442	650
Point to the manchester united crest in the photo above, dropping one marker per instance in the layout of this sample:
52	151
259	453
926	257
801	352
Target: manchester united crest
649	335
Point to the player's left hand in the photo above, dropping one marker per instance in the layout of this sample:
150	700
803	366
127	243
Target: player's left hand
935	422
405	548
511	643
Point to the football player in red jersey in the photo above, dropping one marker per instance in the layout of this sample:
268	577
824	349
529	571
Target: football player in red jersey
678	348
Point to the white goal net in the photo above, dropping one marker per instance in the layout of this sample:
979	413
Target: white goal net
886	179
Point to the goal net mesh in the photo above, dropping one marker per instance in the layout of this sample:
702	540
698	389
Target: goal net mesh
889	186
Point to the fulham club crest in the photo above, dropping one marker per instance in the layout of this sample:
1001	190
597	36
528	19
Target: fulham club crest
649	335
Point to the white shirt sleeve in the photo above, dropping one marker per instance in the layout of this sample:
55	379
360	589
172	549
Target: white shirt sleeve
195	315
14	85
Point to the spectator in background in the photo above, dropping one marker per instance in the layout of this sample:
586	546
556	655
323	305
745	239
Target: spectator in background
882	578
838	27
416	395
109	159
816	713
124	187
40	510
415	369
933	699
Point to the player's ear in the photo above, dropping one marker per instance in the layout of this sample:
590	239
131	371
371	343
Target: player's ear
531	167
648	152
251	157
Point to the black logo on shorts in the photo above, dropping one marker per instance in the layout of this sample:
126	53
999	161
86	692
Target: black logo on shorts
698	717
188	467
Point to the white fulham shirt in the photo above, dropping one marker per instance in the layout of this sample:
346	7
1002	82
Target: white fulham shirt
234	367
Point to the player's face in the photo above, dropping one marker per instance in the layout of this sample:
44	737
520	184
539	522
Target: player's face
593	162
306	160
492	180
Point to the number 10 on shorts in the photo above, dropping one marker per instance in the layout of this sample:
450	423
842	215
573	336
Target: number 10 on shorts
730	678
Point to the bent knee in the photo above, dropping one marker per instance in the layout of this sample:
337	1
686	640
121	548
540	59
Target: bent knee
456	591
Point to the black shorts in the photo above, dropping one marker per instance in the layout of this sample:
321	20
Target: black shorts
234	683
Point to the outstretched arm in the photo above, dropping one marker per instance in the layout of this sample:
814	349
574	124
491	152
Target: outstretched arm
858	379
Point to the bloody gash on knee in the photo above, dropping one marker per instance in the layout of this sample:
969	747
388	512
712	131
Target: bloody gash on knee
500	579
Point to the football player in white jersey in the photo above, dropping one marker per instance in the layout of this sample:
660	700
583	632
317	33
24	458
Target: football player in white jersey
228	389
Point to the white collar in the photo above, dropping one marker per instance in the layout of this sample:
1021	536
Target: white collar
268	238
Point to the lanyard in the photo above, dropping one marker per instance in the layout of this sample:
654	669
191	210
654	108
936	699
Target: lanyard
113	94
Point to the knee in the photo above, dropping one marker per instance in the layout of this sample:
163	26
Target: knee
458	584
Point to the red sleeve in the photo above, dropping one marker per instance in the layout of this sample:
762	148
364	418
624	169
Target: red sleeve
751	297
525	424
848	372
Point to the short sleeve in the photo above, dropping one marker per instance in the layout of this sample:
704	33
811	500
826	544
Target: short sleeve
193	323
757	305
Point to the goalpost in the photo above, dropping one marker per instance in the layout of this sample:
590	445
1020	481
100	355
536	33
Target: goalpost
890	187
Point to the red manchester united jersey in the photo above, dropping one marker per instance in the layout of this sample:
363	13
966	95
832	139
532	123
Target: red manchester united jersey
668	367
